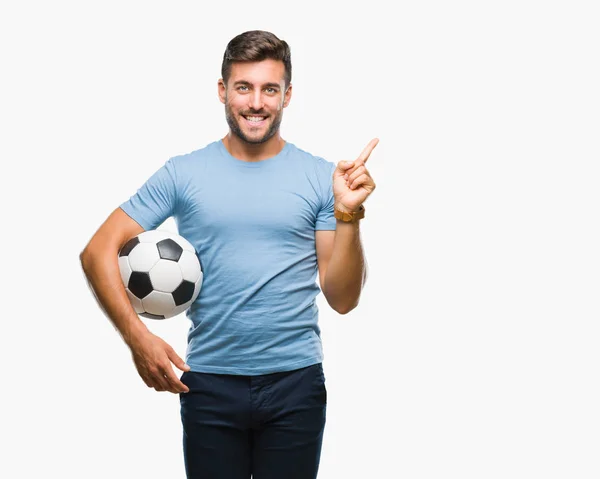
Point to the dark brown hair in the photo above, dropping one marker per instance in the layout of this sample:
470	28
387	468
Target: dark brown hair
256	46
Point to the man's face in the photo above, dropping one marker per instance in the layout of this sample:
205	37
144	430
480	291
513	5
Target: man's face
254	99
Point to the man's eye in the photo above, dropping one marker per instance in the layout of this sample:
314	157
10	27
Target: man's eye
242	87
271	90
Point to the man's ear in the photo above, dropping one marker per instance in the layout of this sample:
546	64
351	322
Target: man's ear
288	96
221	90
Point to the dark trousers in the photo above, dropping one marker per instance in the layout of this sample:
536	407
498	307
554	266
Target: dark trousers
269	426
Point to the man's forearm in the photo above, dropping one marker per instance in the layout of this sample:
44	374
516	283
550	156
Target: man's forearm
105	282
346	271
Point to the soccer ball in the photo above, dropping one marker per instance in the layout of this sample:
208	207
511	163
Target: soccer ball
161	273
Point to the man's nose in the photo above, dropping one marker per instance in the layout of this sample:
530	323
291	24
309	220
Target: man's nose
256	100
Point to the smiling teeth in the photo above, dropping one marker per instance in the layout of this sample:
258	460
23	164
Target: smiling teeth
255	118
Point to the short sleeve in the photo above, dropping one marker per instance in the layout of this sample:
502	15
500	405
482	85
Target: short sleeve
156	200
325	218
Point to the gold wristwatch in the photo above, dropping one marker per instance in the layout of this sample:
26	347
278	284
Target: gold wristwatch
352	217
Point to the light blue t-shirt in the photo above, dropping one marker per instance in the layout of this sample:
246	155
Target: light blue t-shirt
253	226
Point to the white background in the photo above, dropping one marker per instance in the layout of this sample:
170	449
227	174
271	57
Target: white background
475	350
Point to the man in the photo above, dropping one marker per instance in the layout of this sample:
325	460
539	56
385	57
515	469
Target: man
264	217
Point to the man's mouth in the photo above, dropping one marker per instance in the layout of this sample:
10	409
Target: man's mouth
255	120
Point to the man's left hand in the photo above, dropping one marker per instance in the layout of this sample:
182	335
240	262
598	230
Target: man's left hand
352	182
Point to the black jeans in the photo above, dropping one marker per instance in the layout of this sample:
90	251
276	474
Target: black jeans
269	426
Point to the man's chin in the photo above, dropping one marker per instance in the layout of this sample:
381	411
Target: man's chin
254	138
256	141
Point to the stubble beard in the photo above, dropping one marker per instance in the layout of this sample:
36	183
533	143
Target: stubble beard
236	129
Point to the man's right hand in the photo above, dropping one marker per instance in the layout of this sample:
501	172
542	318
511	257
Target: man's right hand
153	357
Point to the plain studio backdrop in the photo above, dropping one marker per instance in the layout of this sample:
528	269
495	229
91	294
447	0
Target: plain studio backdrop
474	351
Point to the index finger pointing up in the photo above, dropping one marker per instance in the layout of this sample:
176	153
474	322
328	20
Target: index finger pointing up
364	156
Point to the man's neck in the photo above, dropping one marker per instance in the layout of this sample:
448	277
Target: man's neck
253	152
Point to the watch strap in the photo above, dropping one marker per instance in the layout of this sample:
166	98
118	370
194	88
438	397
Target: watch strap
351	217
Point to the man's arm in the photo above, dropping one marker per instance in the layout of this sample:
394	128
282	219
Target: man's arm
99	260
100	265
342	266
340	256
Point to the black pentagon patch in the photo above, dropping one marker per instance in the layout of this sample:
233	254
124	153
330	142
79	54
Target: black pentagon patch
168	249
183	293
127	247
140	284
152	316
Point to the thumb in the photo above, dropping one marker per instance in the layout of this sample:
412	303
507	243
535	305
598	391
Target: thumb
346	164
177	361
342	166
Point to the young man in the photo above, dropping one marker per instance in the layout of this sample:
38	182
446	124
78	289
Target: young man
264	217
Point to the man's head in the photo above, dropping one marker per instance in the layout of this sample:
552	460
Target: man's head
255	84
